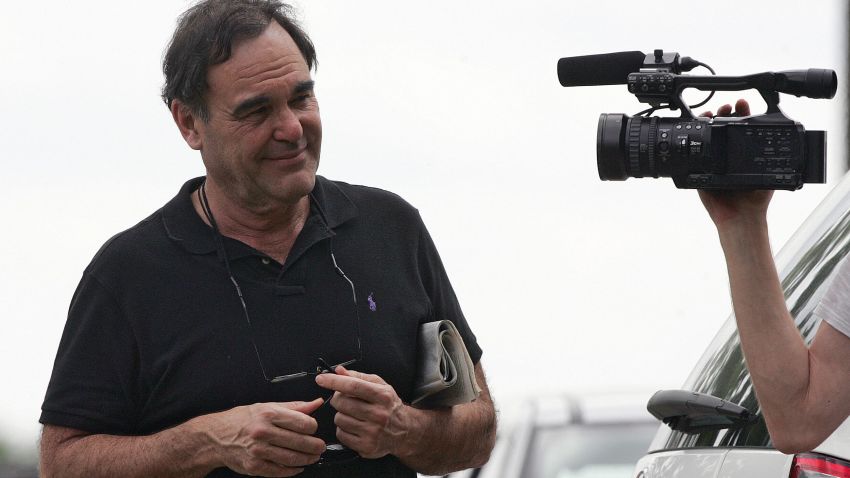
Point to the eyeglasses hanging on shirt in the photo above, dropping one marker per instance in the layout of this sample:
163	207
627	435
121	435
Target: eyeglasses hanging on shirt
321	365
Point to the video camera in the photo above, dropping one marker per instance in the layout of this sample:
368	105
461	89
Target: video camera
766	151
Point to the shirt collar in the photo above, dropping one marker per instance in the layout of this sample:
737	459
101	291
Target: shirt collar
184	226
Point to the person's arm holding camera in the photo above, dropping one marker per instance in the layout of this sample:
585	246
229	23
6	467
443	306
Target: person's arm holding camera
372	420
804	391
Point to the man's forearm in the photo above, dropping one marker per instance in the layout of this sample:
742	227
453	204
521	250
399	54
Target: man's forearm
266	439
451	439
181	451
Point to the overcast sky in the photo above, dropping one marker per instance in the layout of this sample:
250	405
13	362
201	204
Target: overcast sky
571	284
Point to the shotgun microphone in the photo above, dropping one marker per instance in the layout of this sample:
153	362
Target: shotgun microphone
604	69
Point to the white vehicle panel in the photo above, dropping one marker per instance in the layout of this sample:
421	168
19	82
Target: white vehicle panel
694	463
752	463
838	444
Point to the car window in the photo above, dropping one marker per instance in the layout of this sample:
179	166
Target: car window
805	266
587	451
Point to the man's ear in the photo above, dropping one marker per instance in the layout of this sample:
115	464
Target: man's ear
188	123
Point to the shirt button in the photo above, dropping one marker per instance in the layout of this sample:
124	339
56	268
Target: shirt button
266	260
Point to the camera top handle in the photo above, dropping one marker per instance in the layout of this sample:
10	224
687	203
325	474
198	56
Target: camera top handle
658	87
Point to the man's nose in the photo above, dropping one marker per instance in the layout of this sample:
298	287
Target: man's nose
288	126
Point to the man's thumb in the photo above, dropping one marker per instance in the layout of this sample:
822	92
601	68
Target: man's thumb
304	407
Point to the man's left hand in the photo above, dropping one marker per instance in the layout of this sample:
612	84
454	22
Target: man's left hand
371	419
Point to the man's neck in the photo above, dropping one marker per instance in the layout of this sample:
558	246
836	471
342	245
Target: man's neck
271	229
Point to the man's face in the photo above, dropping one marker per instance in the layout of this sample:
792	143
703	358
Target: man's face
262	141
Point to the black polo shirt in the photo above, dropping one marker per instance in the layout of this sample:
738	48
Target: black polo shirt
156	333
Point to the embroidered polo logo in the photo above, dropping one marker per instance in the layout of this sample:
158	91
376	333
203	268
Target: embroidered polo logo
372	305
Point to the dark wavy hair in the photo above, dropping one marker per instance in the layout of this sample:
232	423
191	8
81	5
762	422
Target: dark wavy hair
205	36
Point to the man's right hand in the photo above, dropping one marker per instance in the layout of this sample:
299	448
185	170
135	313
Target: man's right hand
263	439
730	209
266	439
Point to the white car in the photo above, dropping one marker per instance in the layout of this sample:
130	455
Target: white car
721	432
567	437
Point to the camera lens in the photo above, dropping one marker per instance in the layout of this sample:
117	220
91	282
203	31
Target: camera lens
639	147
610	147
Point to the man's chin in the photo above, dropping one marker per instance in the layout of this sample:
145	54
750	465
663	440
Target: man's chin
295	187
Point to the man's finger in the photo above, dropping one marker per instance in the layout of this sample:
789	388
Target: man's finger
350	440
303	407
285	456
297	442
362	376
724	110
270	468
742	108
354	407
286	415
346	384
352	424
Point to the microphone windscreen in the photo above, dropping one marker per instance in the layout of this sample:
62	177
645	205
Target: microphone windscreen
605	69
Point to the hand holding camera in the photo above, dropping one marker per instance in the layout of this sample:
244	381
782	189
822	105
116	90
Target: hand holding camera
726	207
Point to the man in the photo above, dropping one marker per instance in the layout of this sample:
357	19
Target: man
195	340
804	392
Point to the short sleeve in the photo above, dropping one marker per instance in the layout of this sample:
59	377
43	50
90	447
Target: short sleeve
93	383
444	302
834	308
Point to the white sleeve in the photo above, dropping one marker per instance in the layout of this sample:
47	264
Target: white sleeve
835	305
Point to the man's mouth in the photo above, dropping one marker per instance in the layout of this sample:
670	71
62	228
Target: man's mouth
285	155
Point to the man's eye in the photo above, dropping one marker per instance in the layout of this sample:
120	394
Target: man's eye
255	114
300	99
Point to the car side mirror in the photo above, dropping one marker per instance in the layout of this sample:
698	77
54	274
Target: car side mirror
692	412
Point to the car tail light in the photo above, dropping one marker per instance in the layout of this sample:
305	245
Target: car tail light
812	465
